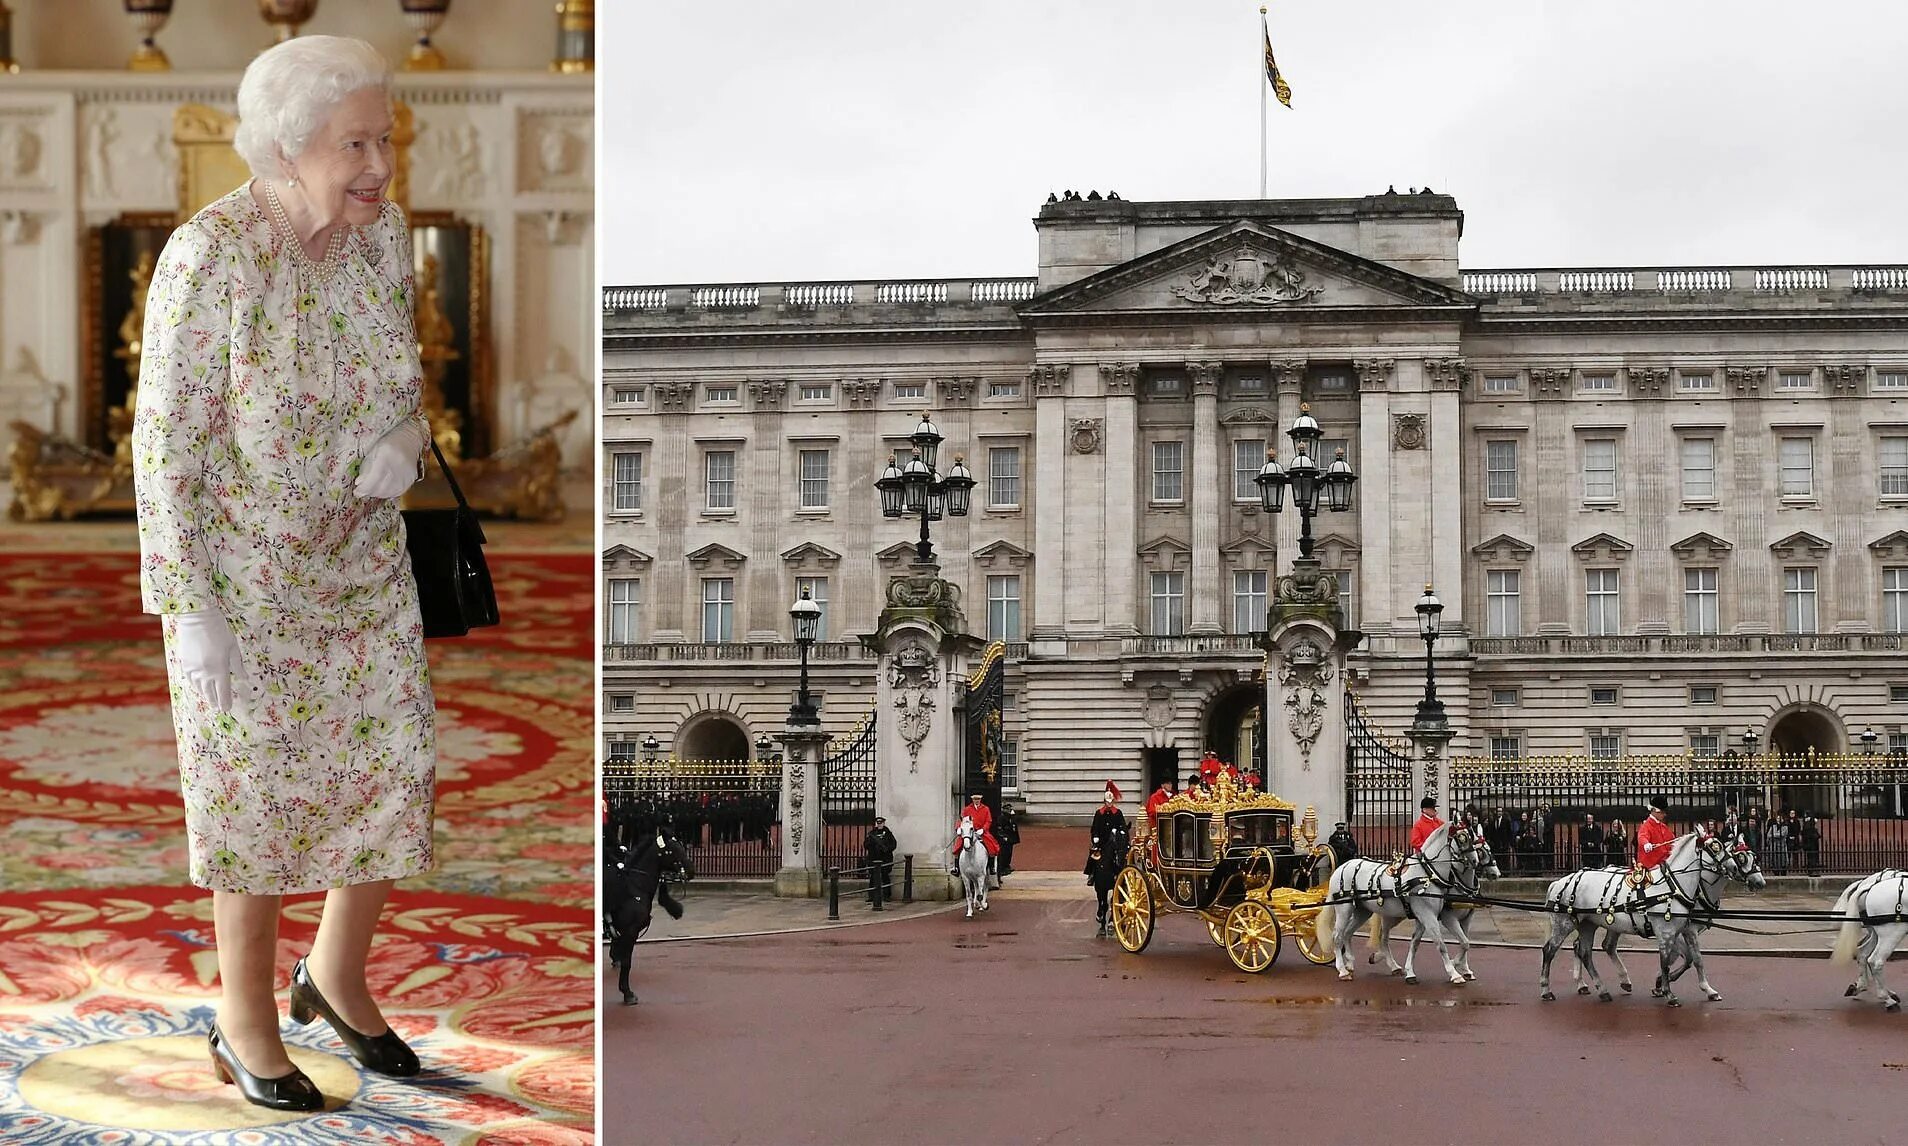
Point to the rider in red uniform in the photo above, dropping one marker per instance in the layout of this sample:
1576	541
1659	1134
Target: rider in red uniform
1153	802
1426	823
983	819
1654	836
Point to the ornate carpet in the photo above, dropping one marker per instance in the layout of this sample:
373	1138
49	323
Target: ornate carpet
107	970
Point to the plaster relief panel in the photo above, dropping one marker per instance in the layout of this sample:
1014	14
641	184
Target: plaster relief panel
24	139
449	162
554	150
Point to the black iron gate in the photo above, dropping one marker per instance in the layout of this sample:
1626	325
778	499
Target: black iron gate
726	811
847	782
1377	785
982	739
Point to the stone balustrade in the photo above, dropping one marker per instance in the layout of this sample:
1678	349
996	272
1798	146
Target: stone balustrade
1755	643
806	297
822	652
1684	280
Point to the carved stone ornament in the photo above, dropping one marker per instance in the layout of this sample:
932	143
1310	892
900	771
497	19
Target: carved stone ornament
1304	675
1086	435
1247	277
1430	773
922	592
914	676
796	795
767	393
1159	706
1408	431
673	395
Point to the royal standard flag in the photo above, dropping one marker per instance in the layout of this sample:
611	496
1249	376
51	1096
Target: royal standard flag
1272	75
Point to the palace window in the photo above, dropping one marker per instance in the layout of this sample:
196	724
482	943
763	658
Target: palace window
814	478
623	596
1798	600
1894	466
1500	383
1605	613
1346	597
1699	469
1601	382
626	482
1009	764
1507	747
1169	604
1248	600
1003	477
1500	470
1168	470
1704	744
622	751
1606	745
816	391
1599	469
1700	610
719	474
1248	454
1798	467
1794	380
1503	698
718	394
1895	599
1700	380
817	590
626	396
1702	694
1603	694
1891	380
1003	389
906	390
718	610
1003	608
622	702
1503	613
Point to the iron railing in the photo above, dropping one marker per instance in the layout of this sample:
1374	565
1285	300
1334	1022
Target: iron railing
727	811
1377	785
1858	803
847	782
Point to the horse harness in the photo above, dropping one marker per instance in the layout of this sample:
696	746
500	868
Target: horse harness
1621	897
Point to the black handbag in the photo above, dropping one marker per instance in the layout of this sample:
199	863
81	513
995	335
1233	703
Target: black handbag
454	594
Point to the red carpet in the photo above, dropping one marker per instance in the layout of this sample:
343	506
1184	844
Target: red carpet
106	965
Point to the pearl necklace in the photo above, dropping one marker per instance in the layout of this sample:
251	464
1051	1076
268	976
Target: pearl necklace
333	249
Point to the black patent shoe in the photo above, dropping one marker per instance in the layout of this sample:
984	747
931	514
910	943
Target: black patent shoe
294	1091
385	1053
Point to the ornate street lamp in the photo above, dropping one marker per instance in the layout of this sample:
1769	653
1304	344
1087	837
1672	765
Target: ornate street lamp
1749	742
1430	729
1869	740
807	617
763	746
651	748
1312	487
918	488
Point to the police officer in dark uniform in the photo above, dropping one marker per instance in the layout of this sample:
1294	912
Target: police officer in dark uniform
1007	832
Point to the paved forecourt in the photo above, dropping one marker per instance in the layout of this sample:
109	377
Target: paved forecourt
1021	1026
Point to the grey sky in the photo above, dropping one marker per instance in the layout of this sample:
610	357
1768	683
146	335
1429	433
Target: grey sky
828	139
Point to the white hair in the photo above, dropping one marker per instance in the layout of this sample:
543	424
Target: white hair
289	92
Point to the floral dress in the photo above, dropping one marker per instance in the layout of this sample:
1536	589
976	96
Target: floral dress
265	380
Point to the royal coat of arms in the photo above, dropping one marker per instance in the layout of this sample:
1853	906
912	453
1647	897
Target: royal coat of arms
1248	277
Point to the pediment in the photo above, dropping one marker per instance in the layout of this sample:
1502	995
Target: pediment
1002	554
1801	543
1894	545
1503	547
716	556
1249	415
1247	266
1248	543
623	558
1603	547
810	554
895	554
1336	550
1701	545
1165	554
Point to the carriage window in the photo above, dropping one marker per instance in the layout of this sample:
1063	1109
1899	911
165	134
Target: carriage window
1185	832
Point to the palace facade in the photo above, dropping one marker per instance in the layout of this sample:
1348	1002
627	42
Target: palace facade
1663	506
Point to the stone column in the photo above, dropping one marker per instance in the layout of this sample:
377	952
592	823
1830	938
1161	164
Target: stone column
1123	469
1447	492
803	746
759	470
1204	614
1048	485
1305	693
924	645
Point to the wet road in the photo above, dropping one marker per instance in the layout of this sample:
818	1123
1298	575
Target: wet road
869	1035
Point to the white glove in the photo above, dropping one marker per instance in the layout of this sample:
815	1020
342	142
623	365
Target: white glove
208	653
391	465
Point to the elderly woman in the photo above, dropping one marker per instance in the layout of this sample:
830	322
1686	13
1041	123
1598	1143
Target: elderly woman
277	422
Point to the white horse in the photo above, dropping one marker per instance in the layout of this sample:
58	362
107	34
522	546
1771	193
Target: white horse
1454	920
1874	907
973	865
1665	907
1446	867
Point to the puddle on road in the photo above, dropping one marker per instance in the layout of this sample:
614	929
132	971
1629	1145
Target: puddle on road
1334	1001
970	946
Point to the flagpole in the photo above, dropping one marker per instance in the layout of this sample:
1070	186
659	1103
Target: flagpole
1263	84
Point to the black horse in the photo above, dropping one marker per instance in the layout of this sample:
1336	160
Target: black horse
636	875
1102	868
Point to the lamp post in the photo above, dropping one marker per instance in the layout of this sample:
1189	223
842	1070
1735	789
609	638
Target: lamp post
919	488
807	617
763	746
1749	742
1313	487
651	748
1430	729
1869	740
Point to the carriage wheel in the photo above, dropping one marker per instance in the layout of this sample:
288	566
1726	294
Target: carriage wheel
1304	928
1132	910
1252	936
